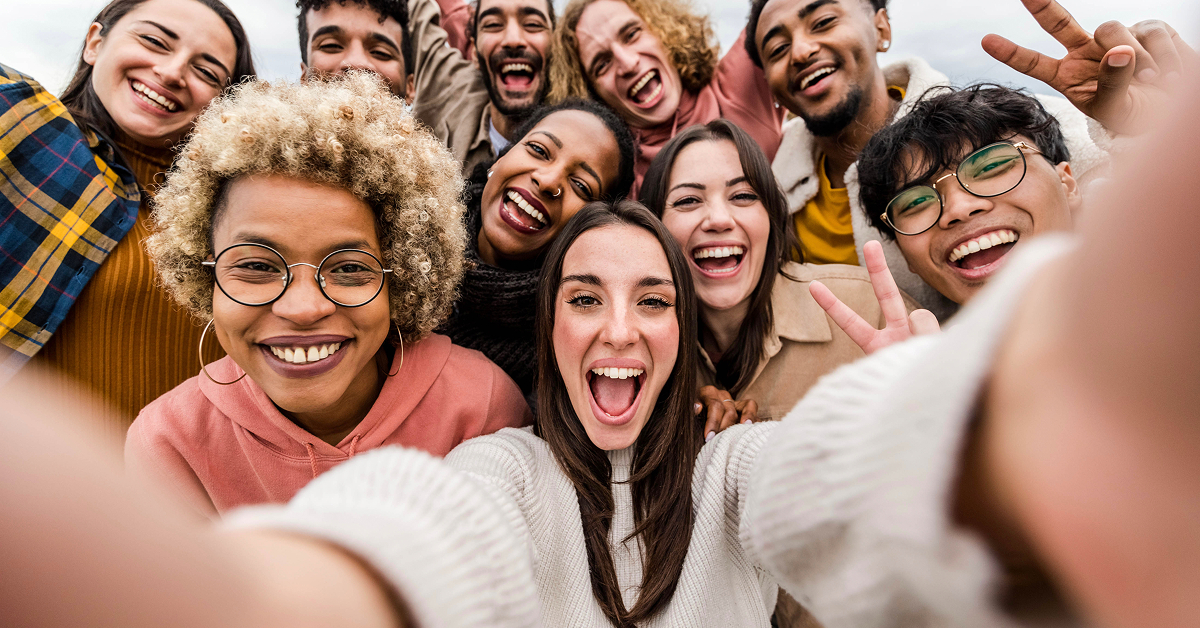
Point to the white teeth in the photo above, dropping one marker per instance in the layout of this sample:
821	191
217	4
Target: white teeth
301	355
154	97
520	201
811	78
983	242
642	82
517	67
718	251
613	372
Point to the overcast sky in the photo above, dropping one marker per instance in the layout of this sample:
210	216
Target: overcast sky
43	38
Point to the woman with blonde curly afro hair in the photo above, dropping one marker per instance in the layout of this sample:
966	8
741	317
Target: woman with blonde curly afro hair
655	63
318	232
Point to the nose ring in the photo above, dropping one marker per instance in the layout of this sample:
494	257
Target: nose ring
557	193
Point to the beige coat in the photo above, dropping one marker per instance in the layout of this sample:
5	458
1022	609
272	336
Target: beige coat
805	343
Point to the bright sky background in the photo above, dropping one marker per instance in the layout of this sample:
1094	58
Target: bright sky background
43	38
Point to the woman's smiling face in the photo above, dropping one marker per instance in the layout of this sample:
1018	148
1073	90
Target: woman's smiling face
304	222
616	336
719	221
567	160
160	65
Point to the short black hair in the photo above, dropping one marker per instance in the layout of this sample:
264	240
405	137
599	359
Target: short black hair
395	9
756	9
473	20
945	125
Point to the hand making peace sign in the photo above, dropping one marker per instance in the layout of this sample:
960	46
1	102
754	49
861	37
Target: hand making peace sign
1120	76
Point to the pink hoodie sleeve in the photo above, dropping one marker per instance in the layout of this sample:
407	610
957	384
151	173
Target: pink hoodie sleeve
745	98
151	458
455	16
506	406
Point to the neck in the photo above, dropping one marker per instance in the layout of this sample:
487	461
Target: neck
505	125
489	255
841	150
334	423
719	328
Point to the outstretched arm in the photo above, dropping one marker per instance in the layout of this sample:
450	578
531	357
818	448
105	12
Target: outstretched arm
1120	76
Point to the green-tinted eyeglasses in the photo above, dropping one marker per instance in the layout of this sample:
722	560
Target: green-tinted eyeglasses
990	171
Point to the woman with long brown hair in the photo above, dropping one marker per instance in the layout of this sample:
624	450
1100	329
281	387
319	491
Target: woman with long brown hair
80	292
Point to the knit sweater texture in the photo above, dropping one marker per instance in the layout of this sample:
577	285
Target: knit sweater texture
845	503
495	308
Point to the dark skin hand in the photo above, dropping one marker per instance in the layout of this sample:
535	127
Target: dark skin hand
721	411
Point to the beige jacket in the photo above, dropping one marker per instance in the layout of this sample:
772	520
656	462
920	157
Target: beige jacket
451	97
805	343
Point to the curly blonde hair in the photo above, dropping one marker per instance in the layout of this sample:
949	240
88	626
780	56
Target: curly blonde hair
348	132
687	37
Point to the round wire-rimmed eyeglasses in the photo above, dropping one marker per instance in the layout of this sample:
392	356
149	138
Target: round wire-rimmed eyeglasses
990	171
256	274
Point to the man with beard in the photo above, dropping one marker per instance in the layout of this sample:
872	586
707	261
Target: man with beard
475	104
340	35
819	57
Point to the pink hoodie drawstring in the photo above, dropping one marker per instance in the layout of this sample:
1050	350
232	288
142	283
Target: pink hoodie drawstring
312	458
354	445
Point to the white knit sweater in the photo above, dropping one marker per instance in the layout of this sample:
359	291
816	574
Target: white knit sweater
844	503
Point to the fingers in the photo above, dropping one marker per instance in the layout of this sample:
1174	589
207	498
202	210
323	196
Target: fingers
1111	103
923	322
1057	21
884	285
747	410
1113	34
859	330
1161	43
1028	62
720	411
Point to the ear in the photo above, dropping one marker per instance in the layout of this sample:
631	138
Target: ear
1070	188
410	88
303	71
91	43
883	30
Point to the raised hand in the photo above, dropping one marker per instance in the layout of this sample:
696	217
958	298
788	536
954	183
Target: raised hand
900	325
1120	77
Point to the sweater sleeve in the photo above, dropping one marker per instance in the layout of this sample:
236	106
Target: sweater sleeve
150	457
454	549
441	69
848	505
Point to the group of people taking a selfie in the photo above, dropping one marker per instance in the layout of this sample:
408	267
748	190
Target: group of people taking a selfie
506	315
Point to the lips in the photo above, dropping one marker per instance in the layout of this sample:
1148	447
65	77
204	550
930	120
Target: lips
647	90
153	98
516	73
301	357
521	211
719	261
813	80
980	256
615	393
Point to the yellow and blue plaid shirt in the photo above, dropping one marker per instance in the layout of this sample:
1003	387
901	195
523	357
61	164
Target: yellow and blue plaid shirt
66	200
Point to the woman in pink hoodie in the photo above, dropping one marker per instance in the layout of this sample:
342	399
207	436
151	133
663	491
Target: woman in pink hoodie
319	233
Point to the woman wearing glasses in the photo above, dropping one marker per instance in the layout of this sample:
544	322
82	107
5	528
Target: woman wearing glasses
314	230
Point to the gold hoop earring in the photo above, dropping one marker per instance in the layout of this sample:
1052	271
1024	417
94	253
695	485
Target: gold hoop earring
200	356
401	365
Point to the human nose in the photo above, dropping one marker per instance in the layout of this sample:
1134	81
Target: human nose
717	217
550	181
171	69
624	59
803	49
302	301
957	203
514	35
620	331
355	58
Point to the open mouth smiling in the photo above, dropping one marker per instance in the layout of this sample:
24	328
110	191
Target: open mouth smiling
982	255
304	355
297	356
814	77
647	89
153	98
718	261
517	74
615	393
520	210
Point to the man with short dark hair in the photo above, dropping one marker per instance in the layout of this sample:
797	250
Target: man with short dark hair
474	104
819	57
340	35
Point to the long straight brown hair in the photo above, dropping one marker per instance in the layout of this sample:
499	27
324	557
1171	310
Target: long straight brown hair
665	451
80	97
736	367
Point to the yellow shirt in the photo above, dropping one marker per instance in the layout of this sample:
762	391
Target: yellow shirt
824	227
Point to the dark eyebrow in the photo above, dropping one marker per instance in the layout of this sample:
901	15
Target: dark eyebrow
383	39
326	30
694	186
491	11
557	142
533	11
806	11
736	180
170	33
589	279
650	282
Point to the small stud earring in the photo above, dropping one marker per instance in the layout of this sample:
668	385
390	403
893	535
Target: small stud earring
489	173
884	45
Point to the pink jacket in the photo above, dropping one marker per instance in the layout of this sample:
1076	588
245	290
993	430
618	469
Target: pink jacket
226	446
738	92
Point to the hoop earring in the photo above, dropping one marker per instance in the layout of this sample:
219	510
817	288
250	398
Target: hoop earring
200	356
401	365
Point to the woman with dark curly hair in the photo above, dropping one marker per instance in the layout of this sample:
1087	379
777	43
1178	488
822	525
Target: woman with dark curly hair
655	63
317	232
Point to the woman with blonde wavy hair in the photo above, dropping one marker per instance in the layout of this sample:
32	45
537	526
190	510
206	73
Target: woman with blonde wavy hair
655	62
317	233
